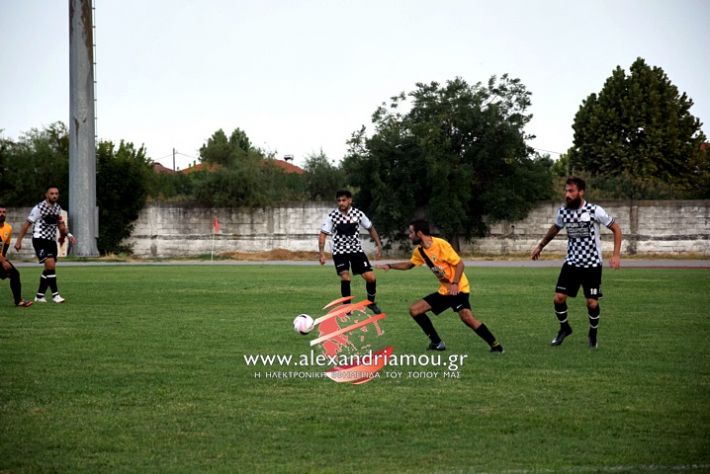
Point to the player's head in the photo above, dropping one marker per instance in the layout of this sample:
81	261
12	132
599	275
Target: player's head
344	199
52	194
418	228
3	214
574	192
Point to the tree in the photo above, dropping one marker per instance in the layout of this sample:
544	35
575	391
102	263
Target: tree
122	181
39	158
323	178
458	156
637	136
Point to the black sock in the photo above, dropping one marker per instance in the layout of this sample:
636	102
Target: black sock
43	283
593	318
344	288
52	281
485	334
15	285
425	323
561	313
371	290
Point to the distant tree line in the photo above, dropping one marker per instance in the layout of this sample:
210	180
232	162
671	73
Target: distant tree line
454	153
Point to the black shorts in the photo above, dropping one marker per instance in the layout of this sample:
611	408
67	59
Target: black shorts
572	277
44	249
357	260
440	303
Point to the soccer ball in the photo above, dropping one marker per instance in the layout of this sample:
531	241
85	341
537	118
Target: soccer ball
303	324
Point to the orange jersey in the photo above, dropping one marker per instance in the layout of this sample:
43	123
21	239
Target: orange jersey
5	233
445	259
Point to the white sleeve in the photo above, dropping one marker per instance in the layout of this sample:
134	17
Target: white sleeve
34	215
327	227
559	222
603	218
365	222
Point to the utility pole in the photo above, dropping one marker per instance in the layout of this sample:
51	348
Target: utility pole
83	218
173	159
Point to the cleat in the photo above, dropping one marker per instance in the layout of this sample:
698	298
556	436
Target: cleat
497	349
40	299
58	299
437	347
560	337
374	308
24	304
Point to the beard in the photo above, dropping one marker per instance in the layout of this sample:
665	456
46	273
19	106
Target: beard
574	203
416	241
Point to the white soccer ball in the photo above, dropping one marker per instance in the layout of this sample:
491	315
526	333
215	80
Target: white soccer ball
303	324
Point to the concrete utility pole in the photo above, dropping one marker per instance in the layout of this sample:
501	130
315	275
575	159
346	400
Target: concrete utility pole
83	217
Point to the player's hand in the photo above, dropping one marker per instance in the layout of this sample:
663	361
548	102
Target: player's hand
18	245
454	289
615	262
383	266
321	259
378	253
535	253
72	239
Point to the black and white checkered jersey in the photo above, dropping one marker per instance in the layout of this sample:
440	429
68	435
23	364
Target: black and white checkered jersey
584	246
345	229
46	218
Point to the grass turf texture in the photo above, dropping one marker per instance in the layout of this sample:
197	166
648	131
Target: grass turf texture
143	370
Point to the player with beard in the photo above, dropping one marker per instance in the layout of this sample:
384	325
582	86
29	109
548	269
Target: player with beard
7	269
583	265
47	220
453	290
343	224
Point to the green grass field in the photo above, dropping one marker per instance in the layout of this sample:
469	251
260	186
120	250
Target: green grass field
143	370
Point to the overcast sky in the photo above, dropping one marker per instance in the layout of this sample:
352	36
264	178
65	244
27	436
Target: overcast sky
300	76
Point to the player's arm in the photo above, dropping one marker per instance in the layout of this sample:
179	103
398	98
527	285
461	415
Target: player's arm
376	237
395	266
23	231
616	256
321	247
551	233
458	272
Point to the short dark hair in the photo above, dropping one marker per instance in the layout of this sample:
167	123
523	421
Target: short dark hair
421	225
579	182
50	187
343	192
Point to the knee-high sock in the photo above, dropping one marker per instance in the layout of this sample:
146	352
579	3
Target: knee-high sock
371	290
425	323
43	284
344	288
15	285
561	313
52	280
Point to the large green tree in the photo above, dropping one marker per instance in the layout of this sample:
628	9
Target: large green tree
39	158
122	181
454	153
638	137
323	178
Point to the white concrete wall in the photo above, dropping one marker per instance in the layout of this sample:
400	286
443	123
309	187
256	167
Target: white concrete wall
649	227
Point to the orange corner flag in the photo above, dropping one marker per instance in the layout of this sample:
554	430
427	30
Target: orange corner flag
215	225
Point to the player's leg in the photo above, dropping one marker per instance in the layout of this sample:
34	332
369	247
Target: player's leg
41	252
50	266
16	287
361	266
462	306
418	312
593	291
567	285
342	268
